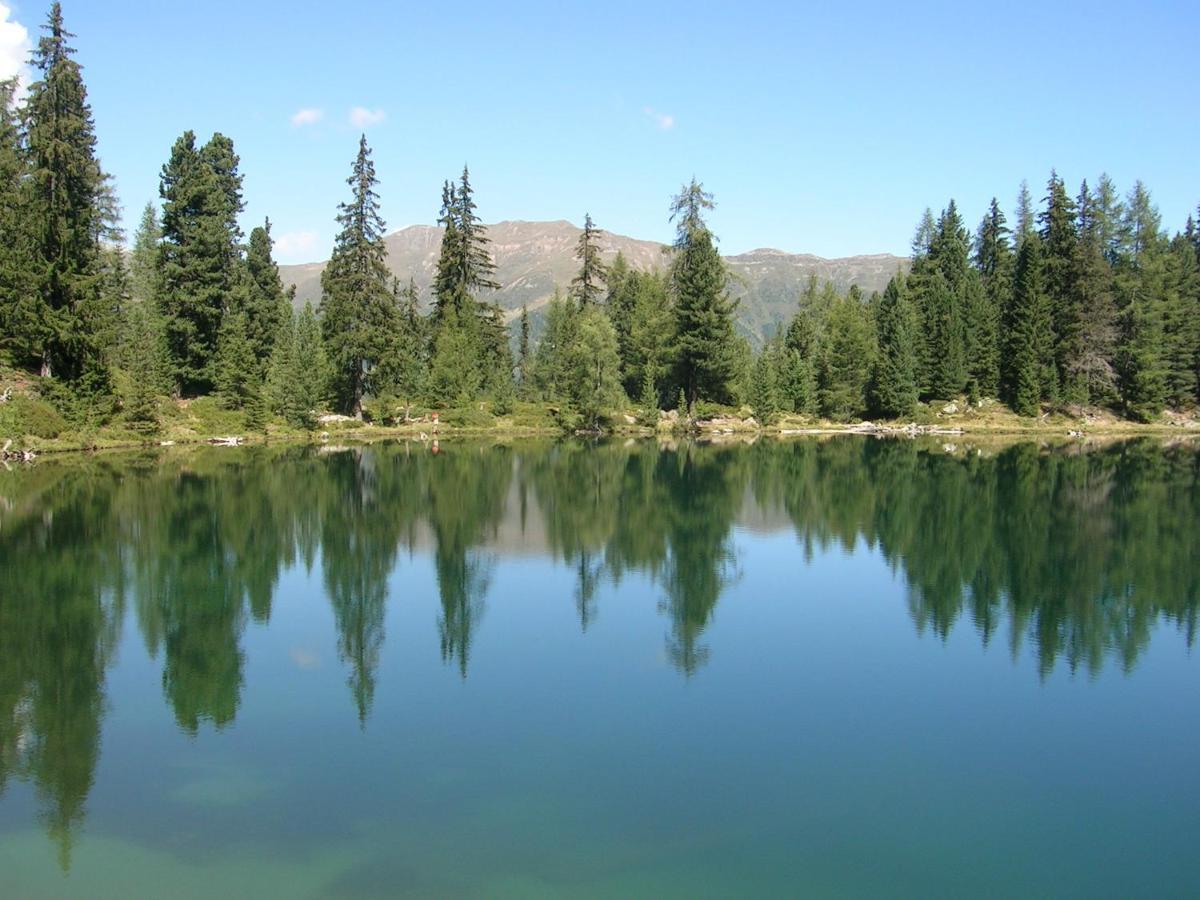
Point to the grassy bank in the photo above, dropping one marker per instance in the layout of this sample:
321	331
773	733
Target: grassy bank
33	423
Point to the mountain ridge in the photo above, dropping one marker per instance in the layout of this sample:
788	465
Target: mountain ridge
534	257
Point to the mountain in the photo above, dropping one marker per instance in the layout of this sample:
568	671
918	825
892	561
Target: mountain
533	257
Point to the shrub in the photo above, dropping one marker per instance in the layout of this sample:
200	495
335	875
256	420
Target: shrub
28	415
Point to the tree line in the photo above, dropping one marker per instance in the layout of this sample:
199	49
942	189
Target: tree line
1086	302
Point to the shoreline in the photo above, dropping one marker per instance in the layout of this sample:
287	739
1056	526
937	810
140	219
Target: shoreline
714	430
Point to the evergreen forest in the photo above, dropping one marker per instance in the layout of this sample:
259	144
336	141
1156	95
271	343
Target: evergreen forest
1084	299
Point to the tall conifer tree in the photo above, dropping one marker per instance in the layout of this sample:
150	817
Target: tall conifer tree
21	309
894	383
199	257
588	284
994	262
357	307
704	335
1060	266
1030	373
66	209
265	302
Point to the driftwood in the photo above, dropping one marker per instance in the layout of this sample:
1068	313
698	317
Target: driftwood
231	441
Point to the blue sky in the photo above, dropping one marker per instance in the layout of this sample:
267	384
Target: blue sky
824	130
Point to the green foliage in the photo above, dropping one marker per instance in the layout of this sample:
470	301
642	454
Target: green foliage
402	366
358	310
524	359
592	366
143	259
67	202
464	268
994	262
263	301
704	336
22	416
298	371
20	307
1060	264
648	401
454	375
235	370
199	266
639	305
588	284
551	364
764	385
894	382
1030	373
847	358
144	358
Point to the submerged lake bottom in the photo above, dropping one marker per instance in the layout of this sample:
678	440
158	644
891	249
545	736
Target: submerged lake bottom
838	667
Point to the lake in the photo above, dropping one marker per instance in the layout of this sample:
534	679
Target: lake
849	667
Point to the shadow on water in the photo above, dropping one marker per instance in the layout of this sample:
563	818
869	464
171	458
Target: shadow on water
1078	554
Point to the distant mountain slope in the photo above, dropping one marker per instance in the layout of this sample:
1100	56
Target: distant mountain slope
533	257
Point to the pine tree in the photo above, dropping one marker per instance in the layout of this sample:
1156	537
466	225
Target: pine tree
1030	358
593	273
66	206
464	268
940	288
1024	217
923	237
264	302
1181	322
1141	281
298	370
944	354
994	262
496	352
801	351
357	307
402	364
703	309
144	360
235	370
1108	212
454	375
592	366
143	260
1095	298
647	345
847	359
551	359
894	383
764	385
19	306
524	362
199	255
648	400
1060	267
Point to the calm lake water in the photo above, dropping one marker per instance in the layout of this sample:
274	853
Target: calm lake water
843	668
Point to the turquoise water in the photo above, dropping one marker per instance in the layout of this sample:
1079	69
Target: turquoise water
842	668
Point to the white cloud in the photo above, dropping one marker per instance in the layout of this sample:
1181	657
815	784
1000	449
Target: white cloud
665	121
296	245
307	116
361	117
14	46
